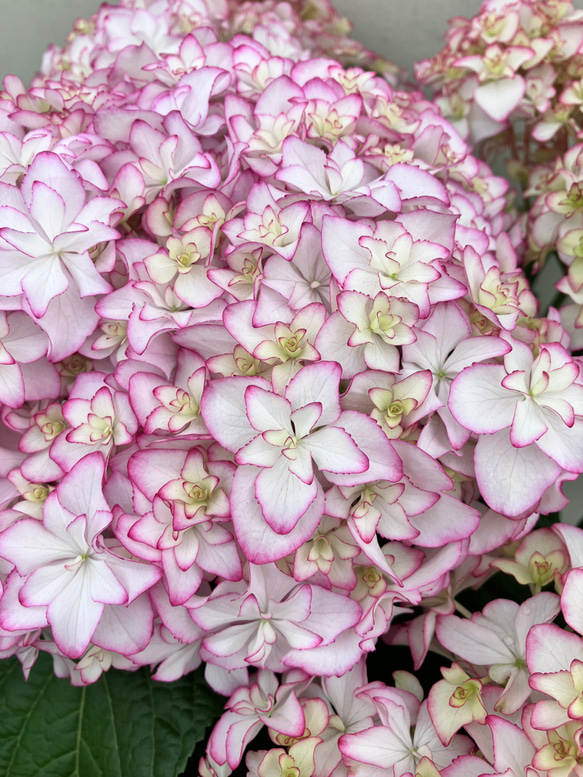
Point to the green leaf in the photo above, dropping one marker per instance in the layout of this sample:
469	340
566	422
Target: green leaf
125	725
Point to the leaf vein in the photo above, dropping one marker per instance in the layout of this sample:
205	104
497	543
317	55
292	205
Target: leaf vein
110	701
26	721
79	732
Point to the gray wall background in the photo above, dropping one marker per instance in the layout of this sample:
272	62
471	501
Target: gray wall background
402	31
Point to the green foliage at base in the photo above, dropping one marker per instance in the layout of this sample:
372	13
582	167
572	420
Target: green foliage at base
125	725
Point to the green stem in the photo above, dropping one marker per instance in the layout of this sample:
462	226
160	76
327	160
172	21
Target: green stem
462	610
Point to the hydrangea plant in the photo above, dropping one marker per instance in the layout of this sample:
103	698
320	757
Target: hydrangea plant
277	396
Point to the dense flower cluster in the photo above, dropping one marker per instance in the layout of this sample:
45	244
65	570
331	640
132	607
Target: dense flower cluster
515	61
512	76
554	225
271	376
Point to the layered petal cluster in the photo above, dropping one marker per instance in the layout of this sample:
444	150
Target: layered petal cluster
511	61
66	565
280	444
529	414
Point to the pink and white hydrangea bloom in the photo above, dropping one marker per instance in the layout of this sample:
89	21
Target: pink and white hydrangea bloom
48	230
24	374
405	735
390	259
100	418
500	89
496	639
70	568
263	703
277	441
529	415
272	622
555	660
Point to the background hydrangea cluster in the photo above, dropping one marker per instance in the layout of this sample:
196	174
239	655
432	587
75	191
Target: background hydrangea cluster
274	385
